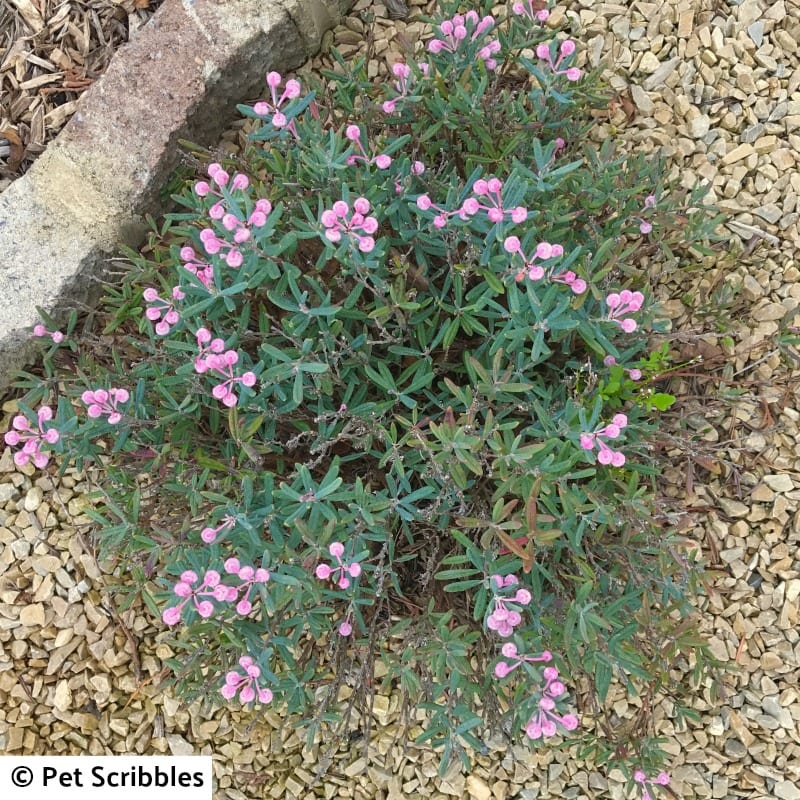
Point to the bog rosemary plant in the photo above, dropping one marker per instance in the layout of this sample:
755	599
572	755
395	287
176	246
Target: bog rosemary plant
383	392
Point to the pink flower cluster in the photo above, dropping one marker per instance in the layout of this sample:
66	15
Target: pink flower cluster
32	439
353	133
535	272
633	374
158	307
100	402
290	92
504	616
457	30
417	168
649	202
662	780
241	229
245	685
209	534
526	10
491	191
203	270
212	587
611	431
402	85
544	723
338	574
213	244
626	302
567	49
361	227
56	336
219	176
509	650
222	364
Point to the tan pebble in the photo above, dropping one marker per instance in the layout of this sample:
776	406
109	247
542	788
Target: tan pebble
33	499
32	616
62	699
478	788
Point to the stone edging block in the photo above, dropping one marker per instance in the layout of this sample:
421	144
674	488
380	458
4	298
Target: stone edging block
180	78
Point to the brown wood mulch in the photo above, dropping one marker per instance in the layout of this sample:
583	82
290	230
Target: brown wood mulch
50	52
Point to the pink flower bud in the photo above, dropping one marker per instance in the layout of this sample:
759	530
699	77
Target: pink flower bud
567	47
353	133
273	79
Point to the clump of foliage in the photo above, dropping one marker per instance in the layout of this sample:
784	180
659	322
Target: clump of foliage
386	393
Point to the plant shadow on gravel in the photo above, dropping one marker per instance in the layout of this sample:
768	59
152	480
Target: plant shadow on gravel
389	408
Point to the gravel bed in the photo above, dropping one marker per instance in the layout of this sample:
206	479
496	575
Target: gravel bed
714	86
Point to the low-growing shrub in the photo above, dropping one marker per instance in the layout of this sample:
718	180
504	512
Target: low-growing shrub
383	393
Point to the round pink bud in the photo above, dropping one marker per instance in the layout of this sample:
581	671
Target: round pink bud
635	374
628	325
189	576
205	609
340	208
518	8
645	227
353	133
617	459
611	431
212	578
446	27
361	205
354	569
234	258
509	650
264	696
567	47
495	215
323	572
232	566
248	694
244	607
543	51
292	89
424	202
150	295
208	535
240	181
579	286
439	221
662	779
639	776
459	32
544	250
536	273
480	187
246	573
262	108
343	582
549	728
523	597
511	244
519	214
388	106
345	629
569	721
533	730
587	441
221	177
279	120
494	185
383	161
501	669
213	169
613	300
605	456
573	74
262	575
273	79
620	419
557	688
171	616
202	188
